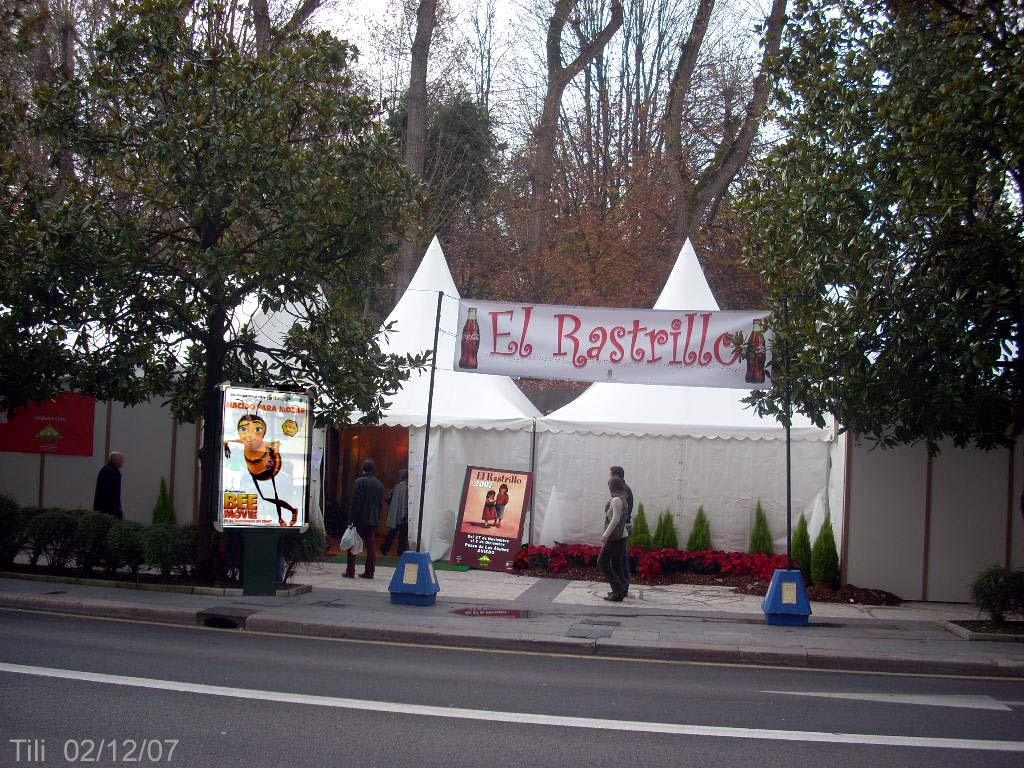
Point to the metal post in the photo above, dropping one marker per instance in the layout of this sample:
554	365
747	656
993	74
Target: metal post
789	442
426	438
533	485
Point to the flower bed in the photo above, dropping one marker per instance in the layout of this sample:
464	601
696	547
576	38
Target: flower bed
649	565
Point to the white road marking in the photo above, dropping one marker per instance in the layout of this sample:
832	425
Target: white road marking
927	700
525	718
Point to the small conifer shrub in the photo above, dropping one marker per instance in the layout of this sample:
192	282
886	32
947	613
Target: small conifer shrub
801	551
824	558
700	535
641	535
761	536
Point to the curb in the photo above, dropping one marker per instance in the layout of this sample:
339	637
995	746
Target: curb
181	589
968	634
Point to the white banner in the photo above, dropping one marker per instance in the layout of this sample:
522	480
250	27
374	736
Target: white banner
265	470
640	346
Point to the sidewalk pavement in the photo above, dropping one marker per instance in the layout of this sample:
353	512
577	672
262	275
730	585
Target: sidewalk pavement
487	610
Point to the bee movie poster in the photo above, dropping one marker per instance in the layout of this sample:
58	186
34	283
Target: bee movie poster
490	525
265	467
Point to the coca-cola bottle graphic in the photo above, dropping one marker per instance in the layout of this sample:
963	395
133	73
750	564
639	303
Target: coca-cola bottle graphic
757	353
470	341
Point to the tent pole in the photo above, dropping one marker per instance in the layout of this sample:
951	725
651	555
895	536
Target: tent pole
789	444
426	437
533	486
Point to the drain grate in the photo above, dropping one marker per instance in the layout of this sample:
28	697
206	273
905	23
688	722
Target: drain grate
56	592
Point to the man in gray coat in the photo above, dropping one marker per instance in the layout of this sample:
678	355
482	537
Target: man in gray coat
364	514
398	514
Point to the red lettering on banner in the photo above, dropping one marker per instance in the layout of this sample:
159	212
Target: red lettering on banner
704	358
689	358
578	361
676	326
634	353
512	346
598	337
726	339
525	350
657	338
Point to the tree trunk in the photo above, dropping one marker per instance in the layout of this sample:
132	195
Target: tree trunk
697	198
546	133
216	352
416	131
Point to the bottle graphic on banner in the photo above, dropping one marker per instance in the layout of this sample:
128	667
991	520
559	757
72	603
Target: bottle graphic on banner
757	353
470	341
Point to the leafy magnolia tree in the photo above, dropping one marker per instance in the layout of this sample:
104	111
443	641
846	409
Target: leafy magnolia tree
211	182
890	219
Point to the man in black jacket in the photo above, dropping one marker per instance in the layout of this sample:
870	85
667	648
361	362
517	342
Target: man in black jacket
364	514
108	486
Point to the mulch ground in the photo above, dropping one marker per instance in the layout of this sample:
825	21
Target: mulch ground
746	585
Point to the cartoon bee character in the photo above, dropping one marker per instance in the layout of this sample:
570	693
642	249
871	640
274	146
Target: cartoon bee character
262	459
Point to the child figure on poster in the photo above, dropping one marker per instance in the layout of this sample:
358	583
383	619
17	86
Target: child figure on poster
501	502
262	460
490	514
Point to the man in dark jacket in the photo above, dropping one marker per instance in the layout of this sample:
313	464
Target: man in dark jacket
364	514
108	486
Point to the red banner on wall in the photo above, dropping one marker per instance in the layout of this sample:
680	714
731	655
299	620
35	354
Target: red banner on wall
62	426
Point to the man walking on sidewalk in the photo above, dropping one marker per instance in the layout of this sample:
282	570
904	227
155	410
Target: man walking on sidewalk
364	514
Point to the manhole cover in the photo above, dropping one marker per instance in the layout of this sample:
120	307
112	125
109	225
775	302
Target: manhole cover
496	613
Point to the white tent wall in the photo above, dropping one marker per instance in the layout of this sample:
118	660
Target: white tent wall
451	450
679	474
928	541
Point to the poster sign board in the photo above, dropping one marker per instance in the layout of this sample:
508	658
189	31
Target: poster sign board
62	426
266	439
490	525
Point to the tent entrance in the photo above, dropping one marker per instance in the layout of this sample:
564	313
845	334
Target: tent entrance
348	447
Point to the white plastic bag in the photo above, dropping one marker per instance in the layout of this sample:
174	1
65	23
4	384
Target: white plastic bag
350	541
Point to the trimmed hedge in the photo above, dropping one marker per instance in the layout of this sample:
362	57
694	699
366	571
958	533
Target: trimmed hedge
700	535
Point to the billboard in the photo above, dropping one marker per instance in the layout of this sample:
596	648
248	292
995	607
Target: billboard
490	525
62	426
637	346
264	478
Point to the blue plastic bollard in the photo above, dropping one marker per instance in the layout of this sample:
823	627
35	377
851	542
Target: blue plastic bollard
414	582
786	602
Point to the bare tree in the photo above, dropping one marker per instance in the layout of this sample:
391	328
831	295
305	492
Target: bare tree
545	134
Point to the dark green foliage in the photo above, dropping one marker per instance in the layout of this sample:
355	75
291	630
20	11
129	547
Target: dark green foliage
700	534
893	210
665	533
160	544
801	551
308	547
54	533
761	536
641	535
126	545
163	512
824	557
91	541
12	530
999	591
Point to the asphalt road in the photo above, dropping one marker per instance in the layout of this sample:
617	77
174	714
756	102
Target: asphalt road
101	692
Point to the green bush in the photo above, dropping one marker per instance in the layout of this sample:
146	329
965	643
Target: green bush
761	536
824	558
35	550
999	591
163	512
185	548
641	535
91	540
54	533
160	543
12	530
308	547
125	545
801	552
665	534
700	535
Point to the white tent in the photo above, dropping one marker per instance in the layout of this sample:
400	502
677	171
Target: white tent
476	419
681	447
